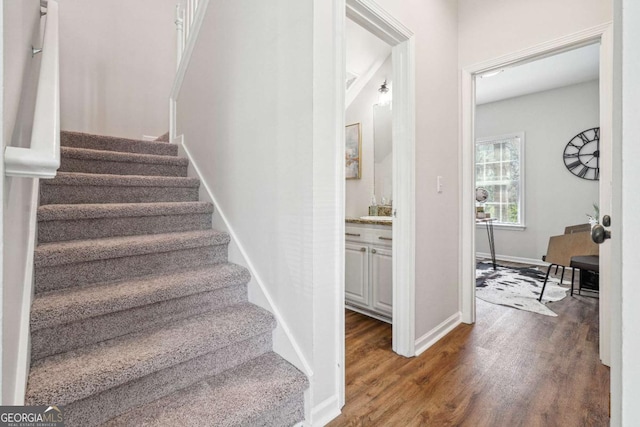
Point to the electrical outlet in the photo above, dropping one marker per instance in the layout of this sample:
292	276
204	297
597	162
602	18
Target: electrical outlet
439	184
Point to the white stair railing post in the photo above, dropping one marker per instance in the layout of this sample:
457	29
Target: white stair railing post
189	16
179	33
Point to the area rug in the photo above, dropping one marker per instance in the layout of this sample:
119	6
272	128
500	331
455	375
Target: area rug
517	287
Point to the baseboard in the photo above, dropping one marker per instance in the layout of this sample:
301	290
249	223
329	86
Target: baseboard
283	341
24	343
368	313
434	335
325	411
530	261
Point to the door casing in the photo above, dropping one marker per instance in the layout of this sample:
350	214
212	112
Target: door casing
604	35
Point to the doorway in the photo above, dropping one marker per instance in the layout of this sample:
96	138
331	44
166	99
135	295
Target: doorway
384	26
368	171
602	36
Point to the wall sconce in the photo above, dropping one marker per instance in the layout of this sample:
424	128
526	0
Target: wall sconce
385	94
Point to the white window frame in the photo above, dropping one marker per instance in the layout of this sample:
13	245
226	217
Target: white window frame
522	208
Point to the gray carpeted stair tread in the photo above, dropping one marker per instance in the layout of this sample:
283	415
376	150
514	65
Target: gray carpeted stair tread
52	254
85	160
119	210
118	156
81	188
88	331
105	180
99	408
112	143
75	375
249	395
70	305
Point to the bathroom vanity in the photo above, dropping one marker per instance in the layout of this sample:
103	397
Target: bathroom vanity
368	267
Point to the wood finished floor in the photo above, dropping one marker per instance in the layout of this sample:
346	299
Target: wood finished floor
512	368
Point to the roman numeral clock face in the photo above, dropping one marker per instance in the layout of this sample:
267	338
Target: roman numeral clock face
582	154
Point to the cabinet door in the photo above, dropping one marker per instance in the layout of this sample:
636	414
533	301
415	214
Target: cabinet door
381	280
356	268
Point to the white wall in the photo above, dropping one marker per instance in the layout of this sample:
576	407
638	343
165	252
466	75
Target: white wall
359	191
21	19
434	24
117	64
245	110
492	28
554	197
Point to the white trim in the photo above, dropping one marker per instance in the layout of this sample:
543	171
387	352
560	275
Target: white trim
24	343
42	158
467	155
325	411
433	336
404	192
509	258
467	145
606	190
184	65
337	116
302	362
368	313
377	21
500	226
552	47
380	23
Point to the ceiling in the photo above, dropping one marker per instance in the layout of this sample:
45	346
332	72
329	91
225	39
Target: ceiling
564	69
365	53
364	50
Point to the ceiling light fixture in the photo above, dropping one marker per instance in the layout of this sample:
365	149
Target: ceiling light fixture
385	94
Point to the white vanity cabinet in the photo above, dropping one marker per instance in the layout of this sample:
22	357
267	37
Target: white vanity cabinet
368	270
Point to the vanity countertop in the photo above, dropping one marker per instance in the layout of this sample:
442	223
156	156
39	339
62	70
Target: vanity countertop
367	221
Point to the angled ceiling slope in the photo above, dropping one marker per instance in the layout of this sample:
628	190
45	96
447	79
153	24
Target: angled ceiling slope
365	54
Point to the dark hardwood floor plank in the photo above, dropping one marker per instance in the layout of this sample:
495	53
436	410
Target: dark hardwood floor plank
512	368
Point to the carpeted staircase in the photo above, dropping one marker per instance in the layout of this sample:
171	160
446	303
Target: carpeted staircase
138	319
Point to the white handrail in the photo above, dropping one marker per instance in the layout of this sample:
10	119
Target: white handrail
185	16
42	159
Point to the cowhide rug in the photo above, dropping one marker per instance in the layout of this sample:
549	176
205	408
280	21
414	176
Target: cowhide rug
517	287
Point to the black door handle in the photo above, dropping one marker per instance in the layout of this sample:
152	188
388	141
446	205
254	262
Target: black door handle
599	234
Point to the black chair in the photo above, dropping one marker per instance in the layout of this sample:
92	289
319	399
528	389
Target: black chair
589	267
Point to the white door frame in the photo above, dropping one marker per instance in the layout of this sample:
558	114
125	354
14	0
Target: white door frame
383	25
602	33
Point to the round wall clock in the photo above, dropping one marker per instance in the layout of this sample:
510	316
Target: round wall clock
582	154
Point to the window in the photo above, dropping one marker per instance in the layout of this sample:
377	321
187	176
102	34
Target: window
500	170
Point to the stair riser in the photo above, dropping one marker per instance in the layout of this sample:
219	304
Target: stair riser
98	408
120	168
95	142
74	194
68	275
89	331
95	228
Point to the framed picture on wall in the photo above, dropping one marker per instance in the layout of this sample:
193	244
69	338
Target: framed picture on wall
353	147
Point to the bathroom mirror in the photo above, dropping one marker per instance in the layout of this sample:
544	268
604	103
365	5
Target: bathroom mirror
382	152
